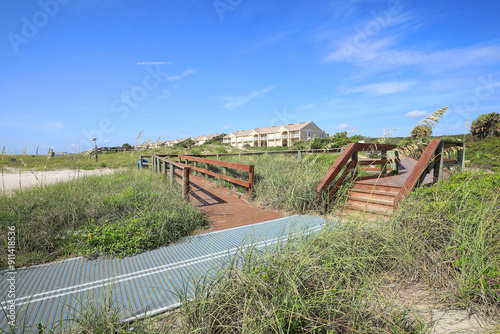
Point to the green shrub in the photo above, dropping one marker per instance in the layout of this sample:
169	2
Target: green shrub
449	236
117	214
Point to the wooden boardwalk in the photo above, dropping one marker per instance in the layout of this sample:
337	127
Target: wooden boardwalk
406	166
224	210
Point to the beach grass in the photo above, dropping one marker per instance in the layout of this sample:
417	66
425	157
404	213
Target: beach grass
119	214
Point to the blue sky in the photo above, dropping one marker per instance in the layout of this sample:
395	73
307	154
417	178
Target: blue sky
74	69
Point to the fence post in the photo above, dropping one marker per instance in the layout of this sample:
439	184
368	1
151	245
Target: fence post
196	165
153	164
439	164
140	162
172	172
185	181
218	157
164	168
461	157
383	156
250	180
354	157
396	163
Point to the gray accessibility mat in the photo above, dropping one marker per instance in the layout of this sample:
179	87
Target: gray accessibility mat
144	284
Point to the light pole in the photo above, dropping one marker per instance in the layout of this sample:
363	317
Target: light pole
95	141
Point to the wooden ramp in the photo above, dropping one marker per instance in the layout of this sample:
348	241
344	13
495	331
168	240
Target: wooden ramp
379	194
224	208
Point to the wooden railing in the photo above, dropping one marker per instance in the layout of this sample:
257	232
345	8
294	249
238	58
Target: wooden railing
432	158
331	182
160	164
299	153
224	164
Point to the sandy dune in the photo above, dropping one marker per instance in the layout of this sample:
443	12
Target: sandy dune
11	179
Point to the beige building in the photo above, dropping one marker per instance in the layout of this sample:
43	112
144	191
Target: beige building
175	141
200	140
280	135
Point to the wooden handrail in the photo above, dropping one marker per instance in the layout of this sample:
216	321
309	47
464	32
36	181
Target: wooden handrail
335	169
234	165
244	167
419	168
186	171
350	167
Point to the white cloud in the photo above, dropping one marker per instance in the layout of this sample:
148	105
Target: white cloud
166	93
416	113
383	88
153	63
227	127
51	125
106	141
180	76
342	126
188	72
305	107
235	102
384	54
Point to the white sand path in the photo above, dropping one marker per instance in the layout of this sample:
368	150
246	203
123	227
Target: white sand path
11	179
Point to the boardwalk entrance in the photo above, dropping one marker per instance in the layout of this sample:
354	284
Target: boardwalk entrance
381	192
224	208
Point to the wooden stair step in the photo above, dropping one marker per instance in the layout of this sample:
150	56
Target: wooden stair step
372	200
373	192
371	208
377	187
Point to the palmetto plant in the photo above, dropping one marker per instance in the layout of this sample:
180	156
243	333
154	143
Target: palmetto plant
486	125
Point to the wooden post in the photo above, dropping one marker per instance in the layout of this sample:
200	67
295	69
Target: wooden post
172	172
438	162
140	162
461	157
185	182
196	165
299	155
396	163
355	158
164	169
383	156
250	180
218	157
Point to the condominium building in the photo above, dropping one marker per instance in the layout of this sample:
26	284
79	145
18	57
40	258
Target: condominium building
200	140
279	135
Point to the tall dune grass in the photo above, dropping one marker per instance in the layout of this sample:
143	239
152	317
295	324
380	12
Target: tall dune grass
117	214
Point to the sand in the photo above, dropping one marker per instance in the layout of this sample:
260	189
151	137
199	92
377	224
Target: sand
11	179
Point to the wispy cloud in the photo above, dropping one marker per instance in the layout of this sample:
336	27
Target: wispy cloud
385	54
342	126
416	113
52	125
305	107
383	88
235	102
227	127
180	76
153	63
165	94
